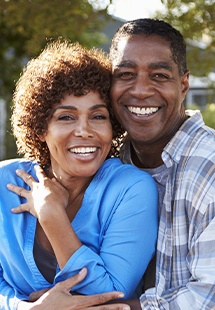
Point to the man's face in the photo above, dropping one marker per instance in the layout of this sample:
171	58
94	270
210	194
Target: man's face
147	91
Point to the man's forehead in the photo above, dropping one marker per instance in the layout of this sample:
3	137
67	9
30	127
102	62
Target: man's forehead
138	49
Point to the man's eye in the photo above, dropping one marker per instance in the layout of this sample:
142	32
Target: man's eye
124	75
160	76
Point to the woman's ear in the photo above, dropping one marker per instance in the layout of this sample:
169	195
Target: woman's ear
42	137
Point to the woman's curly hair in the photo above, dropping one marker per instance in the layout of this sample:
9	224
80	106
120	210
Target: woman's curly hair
63	68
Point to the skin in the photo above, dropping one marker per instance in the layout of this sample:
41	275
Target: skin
60	298
145	76
79	138
78	122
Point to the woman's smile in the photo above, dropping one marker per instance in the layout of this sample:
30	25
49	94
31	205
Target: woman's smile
79	135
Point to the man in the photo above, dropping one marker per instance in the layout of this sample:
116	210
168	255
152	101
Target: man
150	82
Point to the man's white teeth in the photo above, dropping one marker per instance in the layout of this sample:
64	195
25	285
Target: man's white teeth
83	150
142	111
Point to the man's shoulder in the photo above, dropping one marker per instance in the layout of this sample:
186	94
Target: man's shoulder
193	139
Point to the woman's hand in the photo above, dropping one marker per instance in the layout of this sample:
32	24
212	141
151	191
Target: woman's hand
42	196
47	200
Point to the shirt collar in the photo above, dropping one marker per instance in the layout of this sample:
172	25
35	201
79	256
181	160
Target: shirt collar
177	145
174	149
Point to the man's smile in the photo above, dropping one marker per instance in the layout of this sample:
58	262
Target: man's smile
143	111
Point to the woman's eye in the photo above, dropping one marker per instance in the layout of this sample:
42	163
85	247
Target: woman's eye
66	118
99	116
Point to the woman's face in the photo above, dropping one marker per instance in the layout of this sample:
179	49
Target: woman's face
79	135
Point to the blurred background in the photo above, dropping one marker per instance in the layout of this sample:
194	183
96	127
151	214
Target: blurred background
27	25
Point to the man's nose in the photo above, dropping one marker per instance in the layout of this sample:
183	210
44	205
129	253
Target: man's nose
142	87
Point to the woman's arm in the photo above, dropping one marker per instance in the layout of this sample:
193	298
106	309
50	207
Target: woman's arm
9	296
127	241
47	201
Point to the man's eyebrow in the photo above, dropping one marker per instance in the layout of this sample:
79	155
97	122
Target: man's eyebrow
153	65
125	64
160	65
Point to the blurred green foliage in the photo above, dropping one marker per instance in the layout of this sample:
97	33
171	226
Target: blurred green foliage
208	114
27	25
196	21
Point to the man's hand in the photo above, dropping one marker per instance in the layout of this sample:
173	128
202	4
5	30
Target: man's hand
59	297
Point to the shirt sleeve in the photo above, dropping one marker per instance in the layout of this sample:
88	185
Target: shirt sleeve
9	297
128	243
199	292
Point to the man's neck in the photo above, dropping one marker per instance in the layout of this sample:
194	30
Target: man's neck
145	157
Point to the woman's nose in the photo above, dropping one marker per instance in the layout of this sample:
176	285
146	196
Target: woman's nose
83	129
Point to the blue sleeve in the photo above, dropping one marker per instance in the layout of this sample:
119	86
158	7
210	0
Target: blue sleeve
128	244
9	297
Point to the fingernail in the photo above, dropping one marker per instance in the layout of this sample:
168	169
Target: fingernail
121	295
18	172
83	270
126	308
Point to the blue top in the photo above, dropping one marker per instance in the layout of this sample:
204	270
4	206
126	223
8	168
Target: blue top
117	224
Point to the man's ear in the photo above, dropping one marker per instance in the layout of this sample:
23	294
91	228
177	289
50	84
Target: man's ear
185	82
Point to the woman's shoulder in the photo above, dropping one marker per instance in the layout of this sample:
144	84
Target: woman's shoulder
113	168
11	165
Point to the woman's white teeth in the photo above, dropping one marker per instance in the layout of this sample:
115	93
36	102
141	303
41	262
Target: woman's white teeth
142	111
83	150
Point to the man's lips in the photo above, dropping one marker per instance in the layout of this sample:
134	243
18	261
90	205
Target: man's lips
142	111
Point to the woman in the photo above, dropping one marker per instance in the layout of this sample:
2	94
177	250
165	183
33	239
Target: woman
84	208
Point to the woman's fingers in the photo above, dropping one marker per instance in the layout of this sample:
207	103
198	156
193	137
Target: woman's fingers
27	178
17	189
40	174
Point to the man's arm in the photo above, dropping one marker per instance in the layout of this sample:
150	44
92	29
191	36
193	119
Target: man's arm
199	291
134	304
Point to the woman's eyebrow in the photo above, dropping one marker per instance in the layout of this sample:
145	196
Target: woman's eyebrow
98	106
73	108
65	107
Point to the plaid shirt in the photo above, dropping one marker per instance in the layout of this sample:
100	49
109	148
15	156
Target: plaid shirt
185	267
